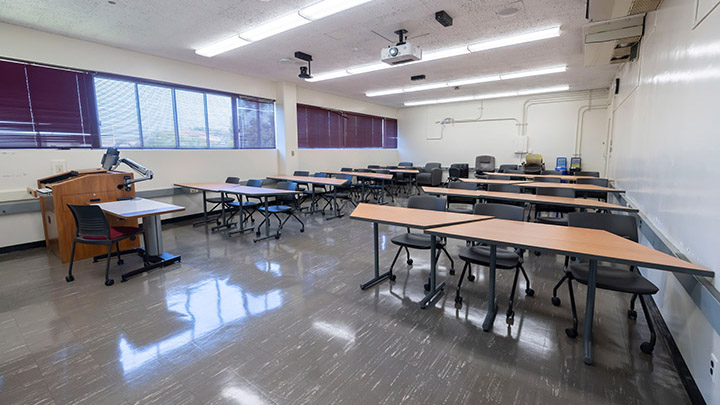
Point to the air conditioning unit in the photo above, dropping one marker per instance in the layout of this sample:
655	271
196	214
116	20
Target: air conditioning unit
612	41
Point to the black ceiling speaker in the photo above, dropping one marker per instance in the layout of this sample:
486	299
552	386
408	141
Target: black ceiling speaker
443	18
418	77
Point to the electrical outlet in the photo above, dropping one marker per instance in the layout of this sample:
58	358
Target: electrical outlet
713	363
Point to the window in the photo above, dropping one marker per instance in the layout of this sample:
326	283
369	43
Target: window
322	128
220	121
43	107
192	129
117	113
256	124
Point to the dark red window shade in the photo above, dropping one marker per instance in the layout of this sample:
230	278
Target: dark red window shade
323	128
45	108
390	134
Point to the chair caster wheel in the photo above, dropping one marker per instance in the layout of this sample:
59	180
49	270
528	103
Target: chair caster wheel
109	282
277	237
529	292
647	348
536	253
257	234
632	314
471	278
571	333
427	287
452	272
458	300
410	261
510	317
392	277
121	261
69	279
458	305
555	301
302	230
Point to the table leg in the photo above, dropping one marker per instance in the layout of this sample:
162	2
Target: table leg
205	213
434	288
241	221
335	206
224	217
267	224
362	191
378	277
154	257
492	301
589	312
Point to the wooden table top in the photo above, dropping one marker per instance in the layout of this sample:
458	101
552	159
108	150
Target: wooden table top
567	177
573	186
367	175
231	188
529	198
325	181
410	217
215	187
138	208
406	171
492	181
566	240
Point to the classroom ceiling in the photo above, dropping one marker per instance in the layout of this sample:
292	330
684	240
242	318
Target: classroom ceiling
175	28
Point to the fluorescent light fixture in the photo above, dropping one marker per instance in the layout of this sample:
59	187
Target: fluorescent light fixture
274	27
329	75
223	46
486	96
469	81
325	8
534	72
445	53
551	32
368	68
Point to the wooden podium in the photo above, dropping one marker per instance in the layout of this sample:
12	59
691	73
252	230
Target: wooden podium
80	187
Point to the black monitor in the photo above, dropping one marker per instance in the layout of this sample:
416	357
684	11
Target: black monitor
110	159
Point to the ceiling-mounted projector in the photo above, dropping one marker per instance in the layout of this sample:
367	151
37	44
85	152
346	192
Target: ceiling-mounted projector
402	52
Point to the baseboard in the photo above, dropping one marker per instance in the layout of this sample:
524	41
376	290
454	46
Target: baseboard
22	246
682	369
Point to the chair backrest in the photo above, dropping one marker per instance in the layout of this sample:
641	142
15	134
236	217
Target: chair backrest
454	173
286	185
622	225
547	179
373	166
501	177
485	163
557	172
301	173
429	166
533	159
597	182
320	174
533	168
90	220
500	211
505	168
346	169
383	171
462	185
504	188
593	174
464	169
516	171
426	202
405	164
556	191
254	183
233	180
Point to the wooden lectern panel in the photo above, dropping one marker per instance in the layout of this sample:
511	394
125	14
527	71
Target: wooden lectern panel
80	187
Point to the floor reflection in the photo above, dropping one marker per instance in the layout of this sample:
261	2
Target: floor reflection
194	305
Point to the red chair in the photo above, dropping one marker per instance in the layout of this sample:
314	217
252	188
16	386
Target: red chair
93	229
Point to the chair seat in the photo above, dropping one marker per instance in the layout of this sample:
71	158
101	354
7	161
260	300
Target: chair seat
245	204
274	209
413	240
505	259
115	233
218	200
611	278
562	221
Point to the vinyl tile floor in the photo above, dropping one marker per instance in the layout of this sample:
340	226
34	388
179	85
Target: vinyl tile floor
285	322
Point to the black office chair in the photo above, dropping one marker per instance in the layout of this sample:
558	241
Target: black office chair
315	192
283	204
609	278
554	172
421	241
463	169
505	188
506	258
465	201
559	210
600	195
343	193
249	207
405	164
218	201
484	163
430	175
585	173
373	166
346	169
377	187
93	228
547	179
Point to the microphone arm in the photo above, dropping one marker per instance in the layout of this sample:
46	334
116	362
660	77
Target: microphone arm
146	173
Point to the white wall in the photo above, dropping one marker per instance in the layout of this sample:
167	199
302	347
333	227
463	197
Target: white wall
21	168
552	128
665	149
334	159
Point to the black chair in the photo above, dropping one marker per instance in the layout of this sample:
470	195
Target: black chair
465	201
405	164
547	179
315	193
304	173
430	175
555	172
559	210
600	195
505	168
249	207
218	201
484	163
421	241
505	188
592	174
609	278
282	204
373	166
93	228
506	258
463	169
346	169
344	193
